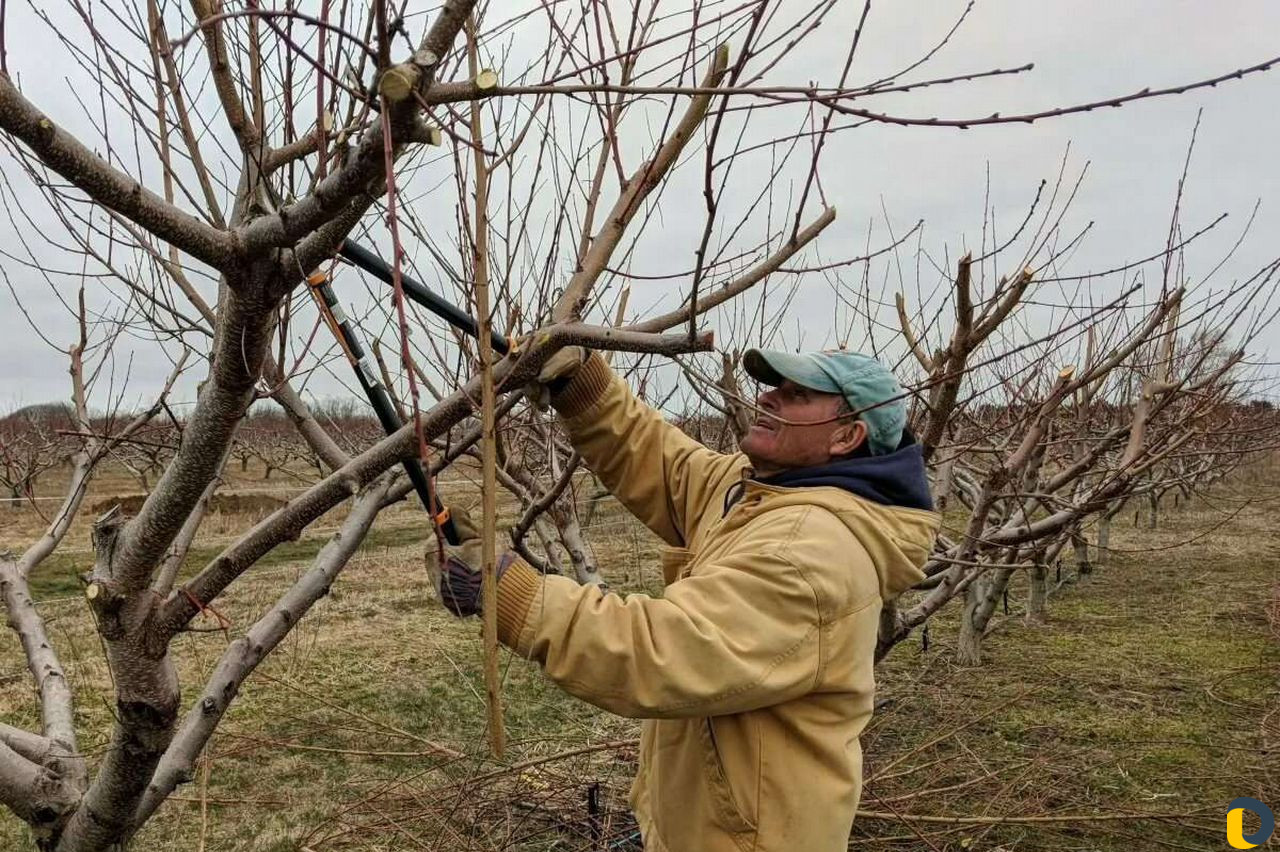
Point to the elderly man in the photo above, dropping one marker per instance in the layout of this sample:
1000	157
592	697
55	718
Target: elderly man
754	671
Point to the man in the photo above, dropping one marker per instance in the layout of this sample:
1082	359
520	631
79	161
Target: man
754	670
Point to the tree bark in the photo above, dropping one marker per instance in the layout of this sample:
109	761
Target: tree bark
979	604
1080	543
582	555
1038	597
243	655
969	640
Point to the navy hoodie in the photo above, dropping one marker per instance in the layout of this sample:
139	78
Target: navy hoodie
896	479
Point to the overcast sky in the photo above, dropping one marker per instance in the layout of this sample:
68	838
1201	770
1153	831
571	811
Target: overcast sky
1083	50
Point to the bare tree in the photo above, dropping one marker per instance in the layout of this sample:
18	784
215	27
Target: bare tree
235	150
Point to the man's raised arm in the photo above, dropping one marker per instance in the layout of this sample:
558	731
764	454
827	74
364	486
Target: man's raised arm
663	476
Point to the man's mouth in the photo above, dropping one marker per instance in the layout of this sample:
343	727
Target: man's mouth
766	425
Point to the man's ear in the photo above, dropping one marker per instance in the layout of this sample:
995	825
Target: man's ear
847	438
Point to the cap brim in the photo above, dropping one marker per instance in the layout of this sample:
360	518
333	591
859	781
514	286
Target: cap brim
771	367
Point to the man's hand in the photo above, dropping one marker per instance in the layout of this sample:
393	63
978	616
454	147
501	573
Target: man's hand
459	580
554	375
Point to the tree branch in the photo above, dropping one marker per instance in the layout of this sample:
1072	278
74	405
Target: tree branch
287	523
31	791
740	285
239	350
56	708
913	343
103	183
1028	118
244	654
638	187
246	132
363	177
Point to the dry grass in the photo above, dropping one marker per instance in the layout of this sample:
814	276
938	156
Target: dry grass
1152	690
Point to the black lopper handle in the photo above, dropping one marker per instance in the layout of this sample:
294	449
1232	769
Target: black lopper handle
382	406
415	290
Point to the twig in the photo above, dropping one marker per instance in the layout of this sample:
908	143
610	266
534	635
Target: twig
1028	118
489	531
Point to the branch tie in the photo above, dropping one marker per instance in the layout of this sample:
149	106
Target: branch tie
224	623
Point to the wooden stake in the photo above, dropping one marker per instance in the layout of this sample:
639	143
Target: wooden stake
488	527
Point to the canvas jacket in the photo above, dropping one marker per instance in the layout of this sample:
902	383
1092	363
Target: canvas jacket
754	670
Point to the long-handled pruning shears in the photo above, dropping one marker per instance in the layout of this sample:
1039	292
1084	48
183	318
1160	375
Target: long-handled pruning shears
358	358
415	291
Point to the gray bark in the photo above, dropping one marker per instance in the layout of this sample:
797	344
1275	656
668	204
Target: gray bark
551	547
244	654
581	555
147	699
244	331
177	554
320	441
1080	544
969	640
1038	597
36	793
944	483
979	605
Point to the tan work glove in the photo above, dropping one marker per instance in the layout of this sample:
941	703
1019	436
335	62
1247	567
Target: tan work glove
469	548
555	374
458	580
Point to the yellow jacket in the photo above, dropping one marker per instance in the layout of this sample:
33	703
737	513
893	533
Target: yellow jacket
754	670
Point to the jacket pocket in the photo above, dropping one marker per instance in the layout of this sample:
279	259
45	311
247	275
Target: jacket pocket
726	810
675	564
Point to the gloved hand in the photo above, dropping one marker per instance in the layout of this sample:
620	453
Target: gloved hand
459	580
555	374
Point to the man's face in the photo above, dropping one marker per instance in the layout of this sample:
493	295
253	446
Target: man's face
773	445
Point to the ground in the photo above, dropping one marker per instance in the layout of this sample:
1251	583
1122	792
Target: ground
1128	721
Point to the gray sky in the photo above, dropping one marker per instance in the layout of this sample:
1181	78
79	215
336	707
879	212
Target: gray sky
1083	51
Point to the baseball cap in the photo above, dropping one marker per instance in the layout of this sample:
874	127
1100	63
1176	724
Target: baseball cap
865	383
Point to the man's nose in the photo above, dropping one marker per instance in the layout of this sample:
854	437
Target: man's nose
768	399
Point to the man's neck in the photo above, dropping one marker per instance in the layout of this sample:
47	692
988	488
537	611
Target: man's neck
767	471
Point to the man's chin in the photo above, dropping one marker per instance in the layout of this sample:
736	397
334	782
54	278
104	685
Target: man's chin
750	443
755	451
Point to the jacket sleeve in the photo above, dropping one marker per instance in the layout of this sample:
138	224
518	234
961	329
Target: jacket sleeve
664	477
743	633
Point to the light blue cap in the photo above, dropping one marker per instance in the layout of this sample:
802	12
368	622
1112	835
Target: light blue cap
867	385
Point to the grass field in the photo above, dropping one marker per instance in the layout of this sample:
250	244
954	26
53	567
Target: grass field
1153	691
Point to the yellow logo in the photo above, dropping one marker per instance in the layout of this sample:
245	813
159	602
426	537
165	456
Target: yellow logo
1235	823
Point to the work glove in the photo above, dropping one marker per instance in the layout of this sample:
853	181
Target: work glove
459	578
555	375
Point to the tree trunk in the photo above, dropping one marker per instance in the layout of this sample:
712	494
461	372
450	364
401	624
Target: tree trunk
1038	598
969	642
1080	543
944	483
1153	506
1103	548
739	418
581	554
552	550
979	603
